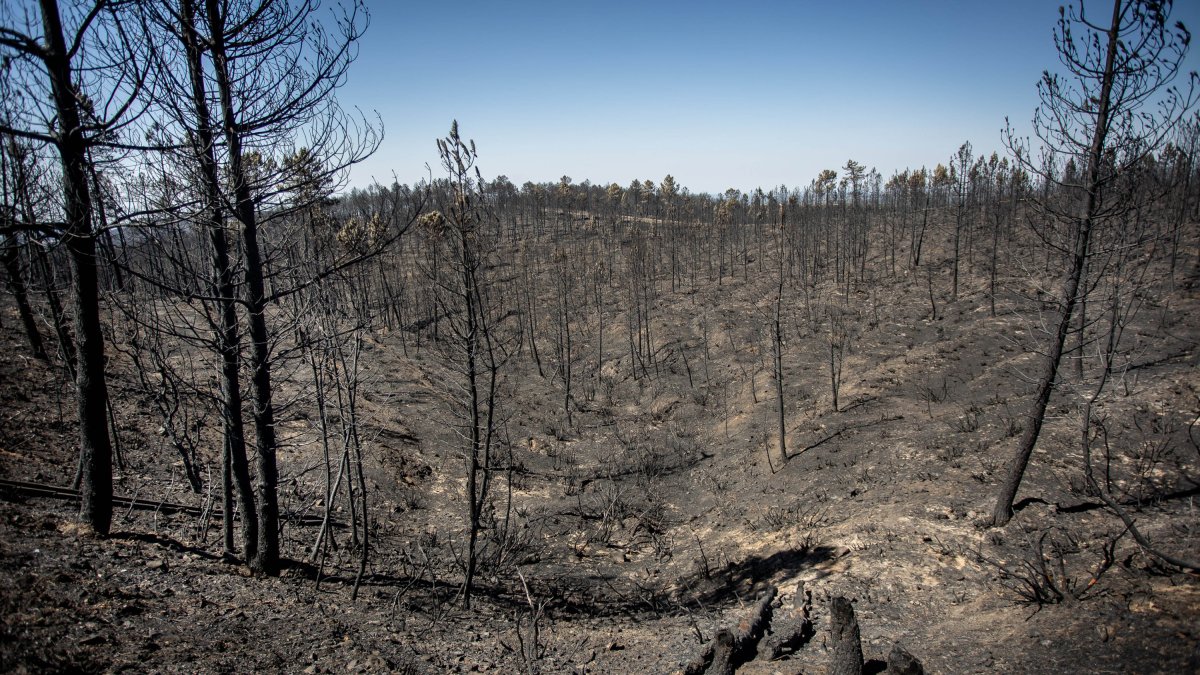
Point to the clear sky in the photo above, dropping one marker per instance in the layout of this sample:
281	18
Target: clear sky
719	94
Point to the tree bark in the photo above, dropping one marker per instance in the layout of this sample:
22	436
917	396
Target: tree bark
722	663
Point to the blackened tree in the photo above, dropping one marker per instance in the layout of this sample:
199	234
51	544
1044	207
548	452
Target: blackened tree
1098	121
73	82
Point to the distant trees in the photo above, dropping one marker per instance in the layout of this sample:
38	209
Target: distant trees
960	168
1002	186
1093	123
852	236
14	190
918	194
841	324
614	194
567	296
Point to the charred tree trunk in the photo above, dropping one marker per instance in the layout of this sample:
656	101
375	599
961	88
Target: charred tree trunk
475	506
1070	286
16	285
95	448
778	344
61	331
901	662
266	560
847	656
732	649
236	467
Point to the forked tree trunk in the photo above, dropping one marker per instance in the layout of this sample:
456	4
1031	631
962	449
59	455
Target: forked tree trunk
236	466
266	560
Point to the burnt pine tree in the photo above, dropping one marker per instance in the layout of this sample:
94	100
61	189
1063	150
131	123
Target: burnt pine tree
474	350
777	342
1095	115
56	72
276	68
181	24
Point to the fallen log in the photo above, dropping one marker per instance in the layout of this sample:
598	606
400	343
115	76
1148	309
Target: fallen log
43	491
732	649
790	629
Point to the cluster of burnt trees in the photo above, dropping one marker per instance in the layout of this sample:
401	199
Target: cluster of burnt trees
179	157
172	166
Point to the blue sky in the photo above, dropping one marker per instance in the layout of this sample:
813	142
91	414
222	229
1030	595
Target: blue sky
718	94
